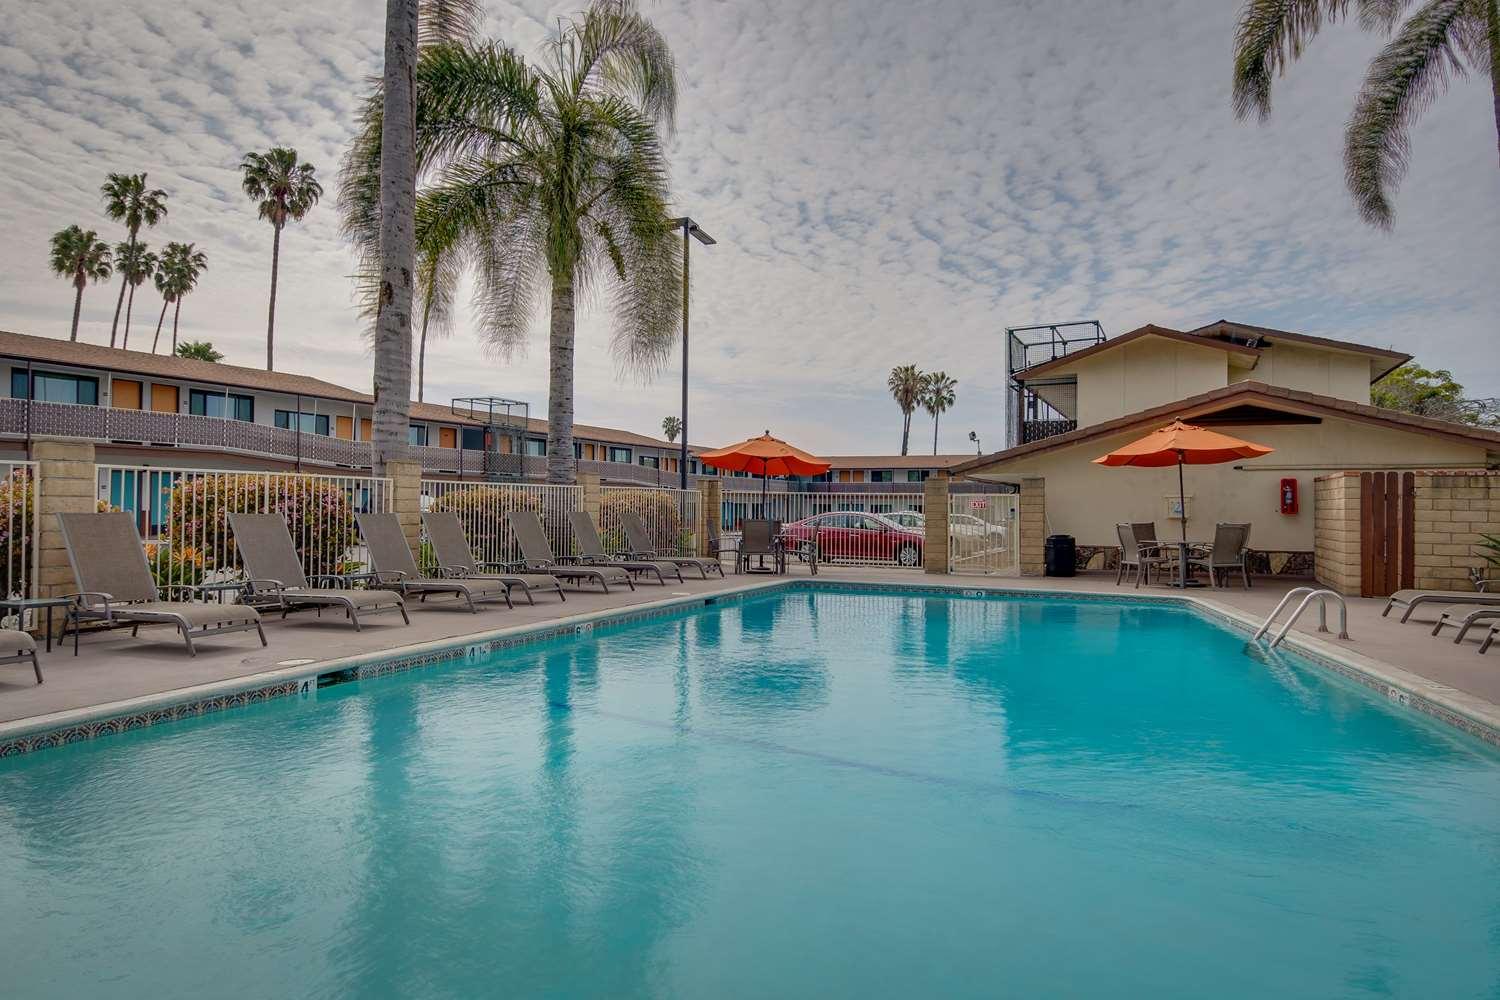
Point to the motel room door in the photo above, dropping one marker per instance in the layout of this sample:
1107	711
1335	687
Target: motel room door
1387	546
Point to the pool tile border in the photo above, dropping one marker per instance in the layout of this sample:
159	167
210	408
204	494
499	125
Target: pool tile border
246	691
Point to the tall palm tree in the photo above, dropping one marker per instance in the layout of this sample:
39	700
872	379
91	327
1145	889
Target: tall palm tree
1441	38
128	200
671	427
177	274
439	270
937	397
285	191
137	263
548	176
81	256
905	383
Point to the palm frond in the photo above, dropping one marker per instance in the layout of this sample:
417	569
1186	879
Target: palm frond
441	22
1271	36
616	50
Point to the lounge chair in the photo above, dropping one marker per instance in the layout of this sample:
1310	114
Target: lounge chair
641	547
274	570
1138	554
760	537
1464	617
18	647
536	553
1227	553
1412	599
456	560
394	567
591	551
115	586
1489	640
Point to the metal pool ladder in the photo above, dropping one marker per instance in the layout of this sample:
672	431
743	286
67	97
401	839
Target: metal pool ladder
1311	594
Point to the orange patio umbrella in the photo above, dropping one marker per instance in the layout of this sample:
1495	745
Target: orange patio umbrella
766	455
1182	444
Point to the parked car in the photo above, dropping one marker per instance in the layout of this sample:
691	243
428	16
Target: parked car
854	535
914	519
968	524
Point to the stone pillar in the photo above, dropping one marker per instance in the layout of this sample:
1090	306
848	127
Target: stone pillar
935	524
1336	554
591	496
711	505
406	501
66	483
1033	526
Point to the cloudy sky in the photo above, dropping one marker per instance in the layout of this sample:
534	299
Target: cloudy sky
890	181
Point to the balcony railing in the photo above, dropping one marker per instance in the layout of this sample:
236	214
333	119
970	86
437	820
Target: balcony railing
1040	430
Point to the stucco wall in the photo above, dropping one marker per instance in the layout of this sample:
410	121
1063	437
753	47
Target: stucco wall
1087	500
1327	373
1143	374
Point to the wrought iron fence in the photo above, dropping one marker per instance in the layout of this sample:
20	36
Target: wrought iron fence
983	533
481	509
183	516
870	529
18	529
672	517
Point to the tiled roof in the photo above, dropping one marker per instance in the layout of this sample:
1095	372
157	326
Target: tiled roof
895	461
1384	360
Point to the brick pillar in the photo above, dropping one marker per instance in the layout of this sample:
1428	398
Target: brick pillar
1033	526
1336	553
711	506
1454	510
935	524
406	501
67	482
591	496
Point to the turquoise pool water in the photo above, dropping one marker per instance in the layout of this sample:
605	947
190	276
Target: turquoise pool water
808	795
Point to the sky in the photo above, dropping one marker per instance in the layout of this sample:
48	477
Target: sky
889	181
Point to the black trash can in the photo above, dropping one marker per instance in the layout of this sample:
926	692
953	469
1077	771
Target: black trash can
1060	555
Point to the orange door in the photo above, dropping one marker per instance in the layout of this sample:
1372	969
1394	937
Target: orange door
447	437
127	394
365	432
343	427
164	398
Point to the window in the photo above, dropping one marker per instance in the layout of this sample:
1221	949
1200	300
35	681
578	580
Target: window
916	475
417	434
620	455
307	423
471	438
217	404
650	461
882	476
536	447
55	388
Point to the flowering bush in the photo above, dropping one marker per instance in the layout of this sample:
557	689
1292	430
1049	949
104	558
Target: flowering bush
17	530
481	511
318	513
176	566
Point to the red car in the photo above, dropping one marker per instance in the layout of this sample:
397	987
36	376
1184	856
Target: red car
853	535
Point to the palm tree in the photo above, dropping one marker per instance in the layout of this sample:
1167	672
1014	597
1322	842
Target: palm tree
937	397
547	176
199	350
671	427
439	269
81	256
905	383
1440	39
137	263
285	191
128	200
176	275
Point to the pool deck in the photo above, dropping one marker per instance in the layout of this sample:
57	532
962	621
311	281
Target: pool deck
115	674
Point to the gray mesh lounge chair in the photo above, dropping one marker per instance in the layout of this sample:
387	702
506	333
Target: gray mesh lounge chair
641	547
1464	617
394	567
456	559
274	570
1227	553
18	647
758	538
115	585
1489	640
591	551
1412	599
1138	554
537	555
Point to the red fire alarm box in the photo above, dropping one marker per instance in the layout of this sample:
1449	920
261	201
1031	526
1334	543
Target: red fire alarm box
1289	496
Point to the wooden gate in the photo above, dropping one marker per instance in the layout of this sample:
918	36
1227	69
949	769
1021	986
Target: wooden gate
1387	512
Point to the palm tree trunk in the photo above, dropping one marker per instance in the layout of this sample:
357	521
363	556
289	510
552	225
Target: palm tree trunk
159	320
271	317
113	327
129	305
562	467
422	350
177	311
1492	29
398	196
77	305
934	432
905	431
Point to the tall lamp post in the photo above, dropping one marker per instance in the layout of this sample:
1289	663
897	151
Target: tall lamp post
689	229
974	436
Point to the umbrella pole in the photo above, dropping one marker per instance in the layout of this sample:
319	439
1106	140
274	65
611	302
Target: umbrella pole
1182	520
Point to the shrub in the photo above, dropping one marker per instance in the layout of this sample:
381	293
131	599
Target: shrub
176	566
319	514
658	511
17	530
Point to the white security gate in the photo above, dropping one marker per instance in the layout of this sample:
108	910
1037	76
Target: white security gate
984	533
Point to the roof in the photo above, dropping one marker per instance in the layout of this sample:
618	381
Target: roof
1383	359
1149	330
1251	392
895	461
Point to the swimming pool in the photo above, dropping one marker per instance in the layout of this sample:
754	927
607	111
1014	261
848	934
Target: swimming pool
802	793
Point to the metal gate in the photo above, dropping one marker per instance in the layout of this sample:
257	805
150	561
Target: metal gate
852	529
984	533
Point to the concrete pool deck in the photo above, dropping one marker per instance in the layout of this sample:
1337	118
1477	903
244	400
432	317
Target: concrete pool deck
115	674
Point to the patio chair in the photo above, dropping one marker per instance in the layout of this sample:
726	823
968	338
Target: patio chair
759	537
641	547
537	555
1413	599
275	570
394	566
18	647
1225	554
1464	617
1489	640
591	551
456	560
115	586
1138	554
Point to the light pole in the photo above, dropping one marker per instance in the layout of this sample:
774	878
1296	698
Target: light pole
689	228
974	436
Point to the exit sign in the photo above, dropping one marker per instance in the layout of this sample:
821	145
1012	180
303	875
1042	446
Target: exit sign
979	504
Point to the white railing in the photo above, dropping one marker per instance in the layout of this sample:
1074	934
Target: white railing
672	518
481	509
870	529
983	533
183	516
20	561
